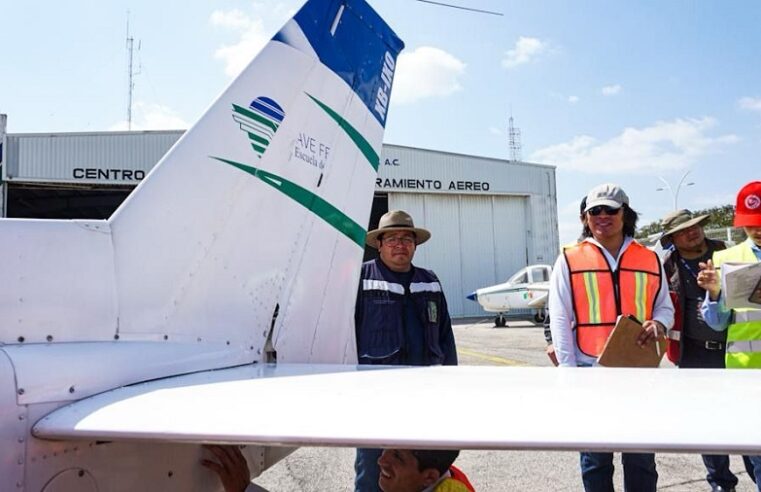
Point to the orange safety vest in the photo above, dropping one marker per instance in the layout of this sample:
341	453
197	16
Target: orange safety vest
600	294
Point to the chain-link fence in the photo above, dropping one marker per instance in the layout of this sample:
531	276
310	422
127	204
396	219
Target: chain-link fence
729	234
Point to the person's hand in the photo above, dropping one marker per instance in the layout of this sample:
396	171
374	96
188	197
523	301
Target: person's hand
550	350
232	467
651	331
708	279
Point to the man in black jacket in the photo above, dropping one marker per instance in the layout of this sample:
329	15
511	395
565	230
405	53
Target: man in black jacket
401	315
700	346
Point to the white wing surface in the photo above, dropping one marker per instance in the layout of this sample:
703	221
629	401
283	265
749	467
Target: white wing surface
435	407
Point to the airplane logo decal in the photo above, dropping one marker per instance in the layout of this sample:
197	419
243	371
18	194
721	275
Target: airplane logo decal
260	121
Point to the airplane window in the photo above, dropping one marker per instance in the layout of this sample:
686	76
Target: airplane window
519	278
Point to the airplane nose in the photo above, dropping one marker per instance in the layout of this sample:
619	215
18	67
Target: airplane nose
472	296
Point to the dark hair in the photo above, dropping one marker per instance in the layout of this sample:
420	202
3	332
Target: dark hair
440	459
583	205
630	223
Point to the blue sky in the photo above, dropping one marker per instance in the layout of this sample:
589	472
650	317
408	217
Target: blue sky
606	91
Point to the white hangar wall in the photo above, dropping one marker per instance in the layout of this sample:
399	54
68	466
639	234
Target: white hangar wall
488	217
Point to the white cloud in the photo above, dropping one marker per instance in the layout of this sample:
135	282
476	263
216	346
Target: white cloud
426	72
231	19
236	56
573	99
149	116
750	103
495	131
611	90
664	146
526	49
254	32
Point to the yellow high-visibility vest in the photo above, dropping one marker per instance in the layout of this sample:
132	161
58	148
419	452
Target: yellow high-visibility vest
744	330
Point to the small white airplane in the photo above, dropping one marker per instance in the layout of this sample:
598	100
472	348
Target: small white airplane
216	306
528	288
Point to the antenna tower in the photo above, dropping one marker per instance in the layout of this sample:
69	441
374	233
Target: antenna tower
514	140
130	73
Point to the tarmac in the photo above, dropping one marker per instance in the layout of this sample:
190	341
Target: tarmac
521	343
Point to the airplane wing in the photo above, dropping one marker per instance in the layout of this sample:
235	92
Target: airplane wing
463	407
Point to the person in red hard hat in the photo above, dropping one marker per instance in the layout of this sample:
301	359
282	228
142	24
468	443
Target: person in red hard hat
743	326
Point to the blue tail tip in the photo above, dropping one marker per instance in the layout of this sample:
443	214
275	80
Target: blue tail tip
472	296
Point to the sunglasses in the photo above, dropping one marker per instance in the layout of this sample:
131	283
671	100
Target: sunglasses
603	208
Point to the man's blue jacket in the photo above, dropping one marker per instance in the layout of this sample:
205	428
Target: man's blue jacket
380	317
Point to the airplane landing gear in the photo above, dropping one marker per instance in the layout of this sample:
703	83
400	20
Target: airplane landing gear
500	321
540	316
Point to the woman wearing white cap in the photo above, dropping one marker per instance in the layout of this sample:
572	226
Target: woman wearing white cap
606	275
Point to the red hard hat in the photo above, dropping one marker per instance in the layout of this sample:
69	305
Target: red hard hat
748	206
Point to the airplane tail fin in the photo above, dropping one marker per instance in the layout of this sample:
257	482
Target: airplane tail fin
260	208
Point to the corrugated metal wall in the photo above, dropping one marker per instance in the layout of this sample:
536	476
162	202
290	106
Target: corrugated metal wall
54	157
476	241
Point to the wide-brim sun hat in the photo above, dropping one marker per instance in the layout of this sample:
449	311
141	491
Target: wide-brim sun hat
393	221
680	220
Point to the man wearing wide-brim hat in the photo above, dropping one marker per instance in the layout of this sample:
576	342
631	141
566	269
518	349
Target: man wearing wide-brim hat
401	315
699	346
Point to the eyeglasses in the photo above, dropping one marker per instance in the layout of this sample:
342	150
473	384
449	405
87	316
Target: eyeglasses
603	208
403	240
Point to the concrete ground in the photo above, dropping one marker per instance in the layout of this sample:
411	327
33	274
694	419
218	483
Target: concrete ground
479	343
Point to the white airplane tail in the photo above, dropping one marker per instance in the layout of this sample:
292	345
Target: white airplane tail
260	208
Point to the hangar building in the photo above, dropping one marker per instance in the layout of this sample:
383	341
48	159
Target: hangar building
488	217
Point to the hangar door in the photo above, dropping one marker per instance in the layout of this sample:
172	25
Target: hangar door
476	241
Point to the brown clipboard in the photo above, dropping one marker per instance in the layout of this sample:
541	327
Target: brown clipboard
621	349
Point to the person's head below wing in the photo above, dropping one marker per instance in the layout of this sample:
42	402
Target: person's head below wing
396	239
608	200
413	470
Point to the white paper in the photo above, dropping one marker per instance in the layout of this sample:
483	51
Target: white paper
737	283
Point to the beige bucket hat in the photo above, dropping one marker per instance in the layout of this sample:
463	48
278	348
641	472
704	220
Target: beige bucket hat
396	220
680	220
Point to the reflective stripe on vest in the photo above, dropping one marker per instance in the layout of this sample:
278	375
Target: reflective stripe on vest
744	346
383	285
596	307
674	335
416	287
744	330
746	316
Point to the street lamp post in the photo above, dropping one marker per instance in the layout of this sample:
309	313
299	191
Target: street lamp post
674	194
